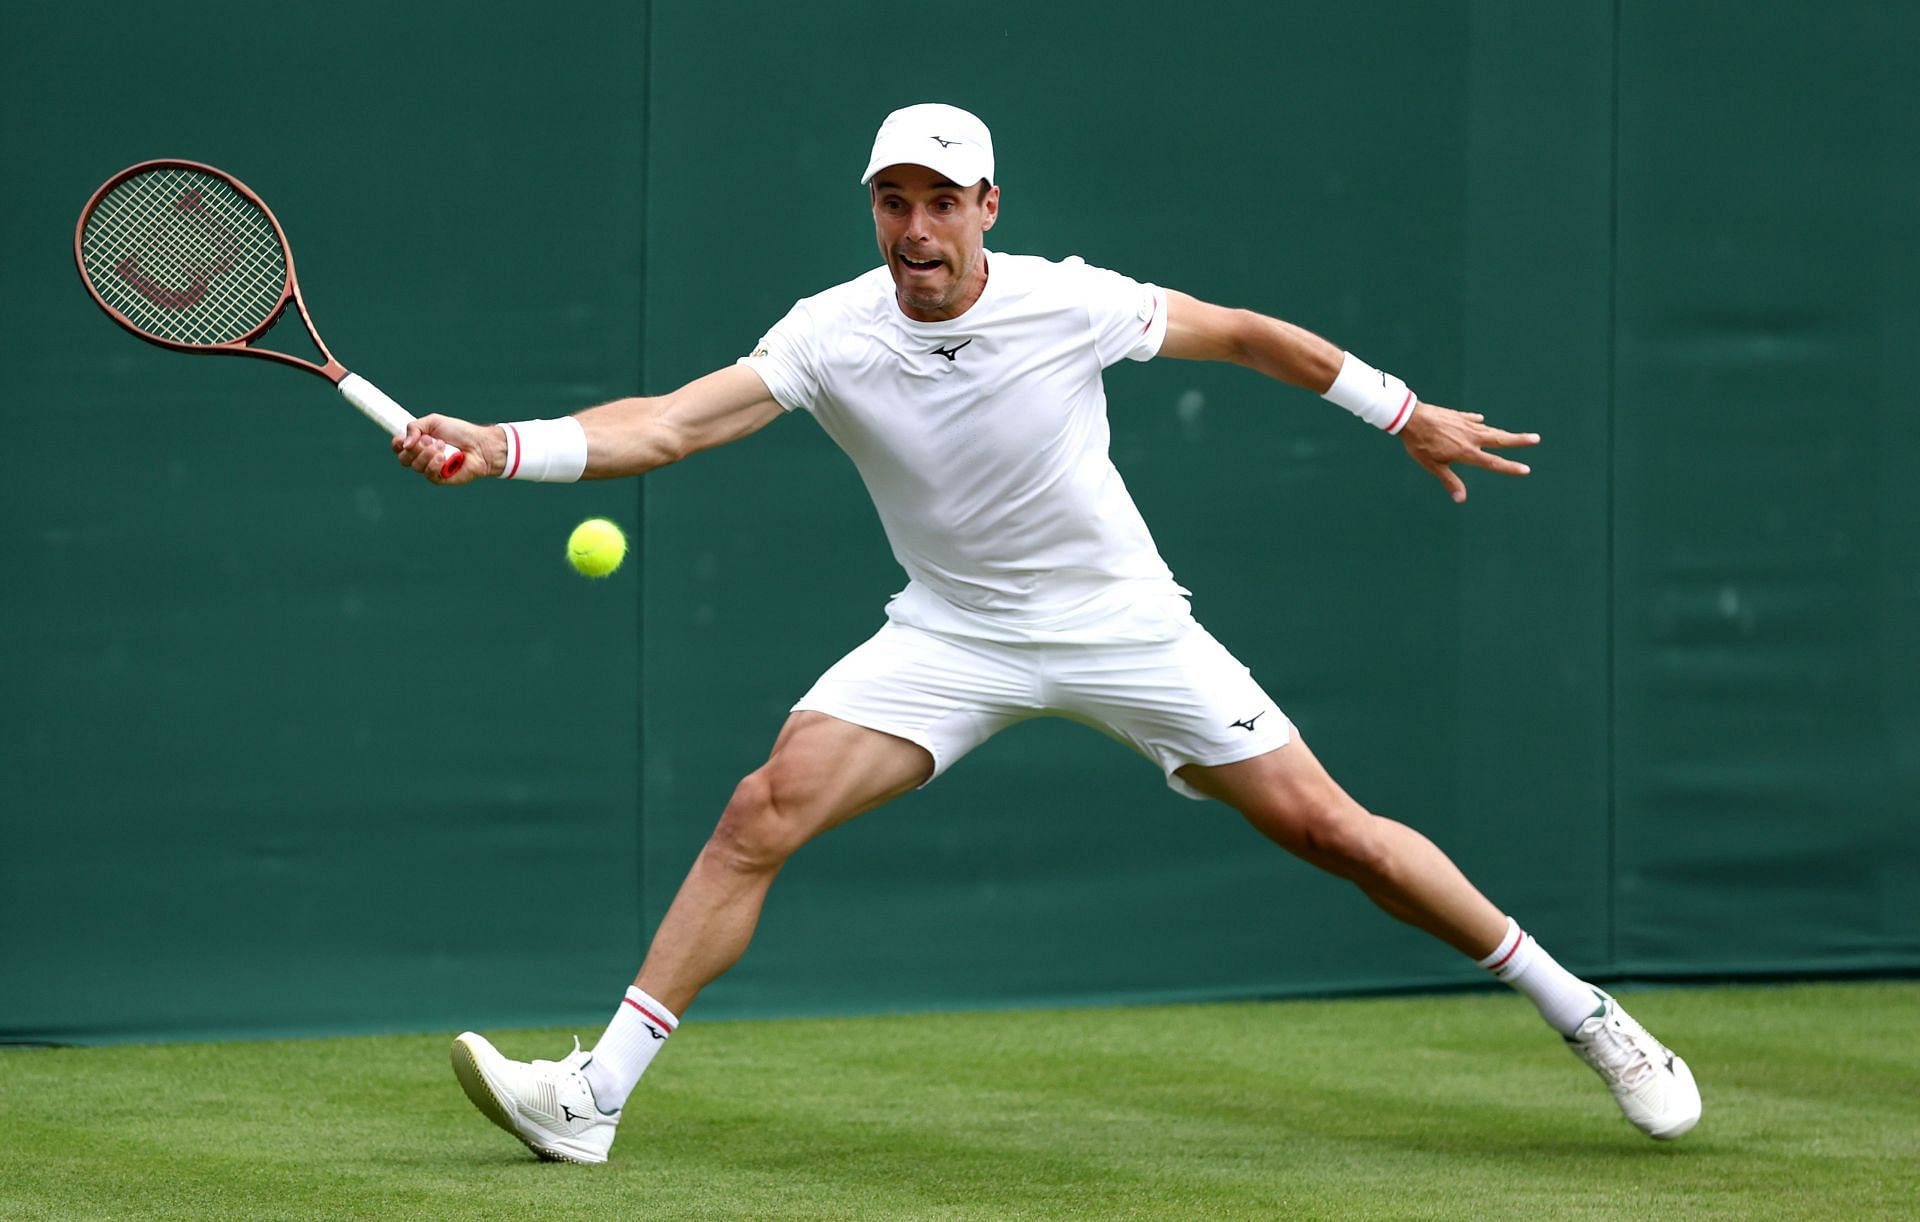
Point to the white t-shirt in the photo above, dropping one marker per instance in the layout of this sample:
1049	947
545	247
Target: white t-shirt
983	441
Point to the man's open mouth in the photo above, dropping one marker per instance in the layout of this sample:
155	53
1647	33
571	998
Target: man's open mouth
920	265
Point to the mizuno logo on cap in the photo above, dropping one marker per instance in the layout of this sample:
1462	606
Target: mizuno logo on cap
945	144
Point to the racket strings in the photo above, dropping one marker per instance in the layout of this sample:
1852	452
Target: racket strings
185	257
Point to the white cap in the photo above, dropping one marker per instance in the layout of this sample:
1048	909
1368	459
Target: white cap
943	138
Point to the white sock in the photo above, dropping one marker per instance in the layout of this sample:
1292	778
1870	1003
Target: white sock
1562	998
639	1029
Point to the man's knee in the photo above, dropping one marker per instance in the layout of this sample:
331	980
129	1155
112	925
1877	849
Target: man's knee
1335	834
760	828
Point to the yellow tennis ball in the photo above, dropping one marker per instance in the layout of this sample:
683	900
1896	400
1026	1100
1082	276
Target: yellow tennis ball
596	547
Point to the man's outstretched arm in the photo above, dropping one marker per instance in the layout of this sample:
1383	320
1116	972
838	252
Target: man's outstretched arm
1435	437
624	437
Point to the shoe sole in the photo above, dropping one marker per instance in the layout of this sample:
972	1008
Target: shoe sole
480	1092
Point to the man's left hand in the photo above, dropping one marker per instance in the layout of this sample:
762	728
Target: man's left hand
1437	437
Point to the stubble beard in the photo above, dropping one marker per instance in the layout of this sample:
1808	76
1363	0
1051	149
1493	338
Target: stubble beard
930	299
921	301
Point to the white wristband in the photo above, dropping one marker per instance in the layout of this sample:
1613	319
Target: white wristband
549	451
1380	399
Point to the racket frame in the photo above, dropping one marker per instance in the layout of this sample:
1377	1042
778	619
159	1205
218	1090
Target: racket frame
333	371
371	401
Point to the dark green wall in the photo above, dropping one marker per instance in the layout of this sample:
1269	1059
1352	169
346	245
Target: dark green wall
1767	576
293	743
296	743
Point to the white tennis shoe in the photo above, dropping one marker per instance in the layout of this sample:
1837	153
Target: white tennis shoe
546	1104
1652	1085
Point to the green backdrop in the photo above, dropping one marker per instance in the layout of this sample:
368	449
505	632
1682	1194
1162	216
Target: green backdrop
295	743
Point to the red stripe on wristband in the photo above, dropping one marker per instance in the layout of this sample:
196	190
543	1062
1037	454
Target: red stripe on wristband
1406	409
649	1014
518	450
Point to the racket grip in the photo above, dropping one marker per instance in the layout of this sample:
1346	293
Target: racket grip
376	406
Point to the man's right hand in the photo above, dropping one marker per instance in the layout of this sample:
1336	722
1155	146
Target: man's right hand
426	440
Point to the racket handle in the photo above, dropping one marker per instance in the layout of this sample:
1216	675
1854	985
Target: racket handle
383	411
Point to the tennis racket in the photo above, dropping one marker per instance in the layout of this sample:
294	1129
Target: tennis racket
185	256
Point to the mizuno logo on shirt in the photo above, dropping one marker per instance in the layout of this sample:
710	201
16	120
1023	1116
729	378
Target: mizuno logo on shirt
1247	725
952	352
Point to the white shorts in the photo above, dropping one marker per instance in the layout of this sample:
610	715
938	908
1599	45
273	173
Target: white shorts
1180	702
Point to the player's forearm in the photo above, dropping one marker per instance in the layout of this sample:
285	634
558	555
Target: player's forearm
1198	331
1284	352
630	437
635	435
1299	357
623	437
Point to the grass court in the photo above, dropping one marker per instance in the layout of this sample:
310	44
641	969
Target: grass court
1406	1107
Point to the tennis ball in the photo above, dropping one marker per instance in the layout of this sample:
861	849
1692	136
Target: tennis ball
596	547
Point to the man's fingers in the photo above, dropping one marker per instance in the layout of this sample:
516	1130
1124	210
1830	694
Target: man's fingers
1506	440
1444	473
431	442
1493	462
1440	437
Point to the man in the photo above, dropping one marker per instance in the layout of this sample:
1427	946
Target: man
966	386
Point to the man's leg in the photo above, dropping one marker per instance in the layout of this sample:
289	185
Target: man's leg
822	772
1291	799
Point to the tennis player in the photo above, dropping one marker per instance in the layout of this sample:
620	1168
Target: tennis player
966	385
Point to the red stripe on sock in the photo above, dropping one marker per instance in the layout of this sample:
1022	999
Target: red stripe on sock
1510	954
656	1018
